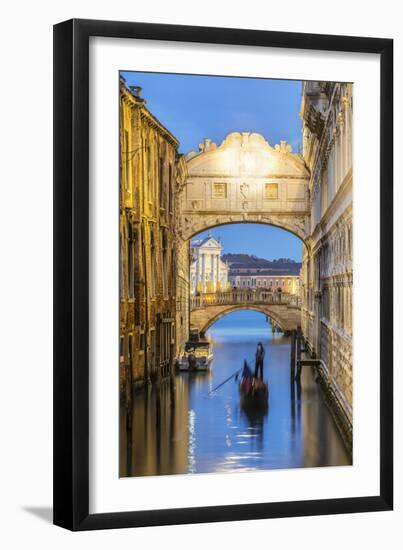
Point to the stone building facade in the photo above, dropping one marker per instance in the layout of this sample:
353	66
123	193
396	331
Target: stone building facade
208	273
182	258
327	272
150	173
290	284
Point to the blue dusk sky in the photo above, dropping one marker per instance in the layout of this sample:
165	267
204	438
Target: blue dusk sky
197	107
264	241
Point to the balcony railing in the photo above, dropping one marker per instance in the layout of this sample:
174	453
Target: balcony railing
238	296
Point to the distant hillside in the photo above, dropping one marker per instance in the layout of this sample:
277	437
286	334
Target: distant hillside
247	264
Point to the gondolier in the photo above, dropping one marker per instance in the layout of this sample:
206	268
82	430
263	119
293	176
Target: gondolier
259	359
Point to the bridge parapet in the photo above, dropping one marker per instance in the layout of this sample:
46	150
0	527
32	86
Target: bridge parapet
244	297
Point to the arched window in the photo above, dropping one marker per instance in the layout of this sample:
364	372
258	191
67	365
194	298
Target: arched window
130	260
122	266
126	160
161	182
164	257
170	190
149	171
153	265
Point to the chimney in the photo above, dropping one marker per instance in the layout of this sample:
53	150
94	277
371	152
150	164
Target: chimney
136	91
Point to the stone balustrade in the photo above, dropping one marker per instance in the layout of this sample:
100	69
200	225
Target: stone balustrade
246	297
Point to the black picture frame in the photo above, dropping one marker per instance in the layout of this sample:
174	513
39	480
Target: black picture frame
71	274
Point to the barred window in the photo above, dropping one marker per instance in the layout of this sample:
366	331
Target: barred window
271	191
219	190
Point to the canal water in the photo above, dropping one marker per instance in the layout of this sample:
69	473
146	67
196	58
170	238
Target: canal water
183	428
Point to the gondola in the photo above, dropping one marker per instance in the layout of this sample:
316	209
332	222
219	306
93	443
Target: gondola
254	393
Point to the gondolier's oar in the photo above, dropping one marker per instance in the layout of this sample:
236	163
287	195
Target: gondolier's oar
225	381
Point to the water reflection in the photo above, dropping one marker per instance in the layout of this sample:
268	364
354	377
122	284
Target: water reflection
182	428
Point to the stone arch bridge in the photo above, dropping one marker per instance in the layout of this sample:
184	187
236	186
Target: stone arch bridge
244	179
207	308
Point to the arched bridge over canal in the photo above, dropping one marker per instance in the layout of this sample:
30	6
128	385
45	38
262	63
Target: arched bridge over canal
207	308
245	179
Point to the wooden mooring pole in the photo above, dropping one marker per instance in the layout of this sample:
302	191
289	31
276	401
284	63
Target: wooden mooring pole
299	343
292	364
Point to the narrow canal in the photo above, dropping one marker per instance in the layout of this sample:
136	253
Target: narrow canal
181	428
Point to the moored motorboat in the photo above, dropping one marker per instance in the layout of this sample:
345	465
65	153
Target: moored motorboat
197	356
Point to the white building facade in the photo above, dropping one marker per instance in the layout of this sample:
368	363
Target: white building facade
208	273
327	270
289	284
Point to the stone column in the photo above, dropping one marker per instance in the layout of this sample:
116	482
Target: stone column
341	144
197	275
202	271
350	308
336	160
346	113
203	256
213	276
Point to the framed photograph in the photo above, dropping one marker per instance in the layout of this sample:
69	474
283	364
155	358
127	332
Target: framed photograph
223	317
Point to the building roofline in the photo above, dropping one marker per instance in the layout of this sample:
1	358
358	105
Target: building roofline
141	103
